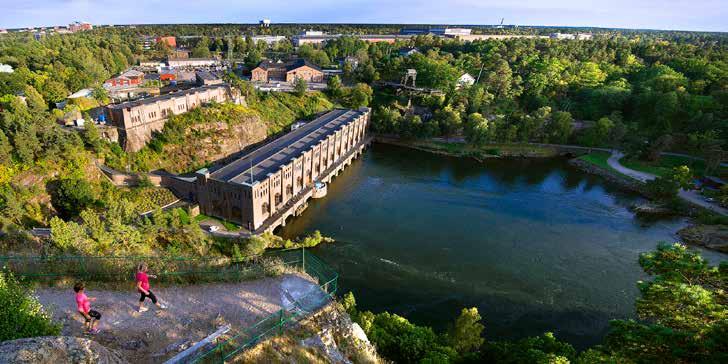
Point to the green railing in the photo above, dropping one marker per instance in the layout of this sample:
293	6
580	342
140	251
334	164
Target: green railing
275	323
168	269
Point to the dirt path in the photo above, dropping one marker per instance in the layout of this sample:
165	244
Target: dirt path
193	313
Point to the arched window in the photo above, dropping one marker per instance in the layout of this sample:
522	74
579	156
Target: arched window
265	208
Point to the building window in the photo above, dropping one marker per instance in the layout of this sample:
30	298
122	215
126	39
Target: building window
265	208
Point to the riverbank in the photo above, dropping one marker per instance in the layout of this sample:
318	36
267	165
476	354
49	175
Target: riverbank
456	147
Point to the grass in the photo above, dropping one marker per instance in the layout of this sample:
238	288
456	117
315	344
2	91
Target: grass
597	158
229	226
665	164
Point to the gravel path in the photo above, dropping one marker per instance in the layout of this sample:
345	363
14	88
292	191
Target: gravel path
193	313
688	195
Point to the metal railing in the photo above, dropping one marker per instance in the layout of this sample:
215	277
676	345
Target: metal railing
275	323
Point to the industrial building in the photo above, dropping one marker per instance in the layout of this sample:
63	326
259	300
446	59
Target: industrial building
136	120
265	186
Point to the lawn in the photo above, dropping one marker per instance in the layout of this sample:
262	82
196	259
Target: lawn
229	226
598	158
665	164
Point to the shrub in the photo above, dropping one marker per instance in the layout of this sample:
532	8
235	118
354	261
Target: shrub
22	315
71	196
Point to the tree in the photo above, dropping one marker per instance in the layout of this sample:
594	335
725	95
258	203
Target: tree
5	149
682	310
449	121
476	130
466	334
333	84
300	86
34	99
559	129
22	315
598	134
202	49
71	196
360	95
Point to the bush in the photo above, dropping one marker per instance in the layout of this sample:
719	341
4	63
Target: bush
22	315
71	196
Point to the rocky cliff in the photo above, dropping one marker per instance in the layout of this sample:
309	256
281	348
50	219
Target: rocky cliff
57	349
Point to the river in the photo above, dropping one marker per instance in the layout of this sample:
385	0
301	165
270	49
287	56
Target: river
535	244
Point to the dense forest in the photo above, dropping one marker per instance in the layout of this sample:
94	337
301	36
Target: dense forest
642	91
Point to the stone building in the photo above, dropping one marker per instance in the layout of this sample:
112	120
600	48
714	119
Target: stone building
264	187
136	120
268	71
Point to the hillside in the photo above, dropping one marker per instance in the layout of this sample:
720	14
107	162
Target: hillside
200	137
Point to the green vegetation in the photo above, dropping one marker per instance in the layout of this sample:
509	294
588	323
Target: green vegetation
257	244
480	152
22	315
598	159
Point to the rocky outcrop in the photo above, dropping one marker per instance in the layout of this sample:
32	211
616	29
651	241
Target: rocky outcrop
710	236
652	209
57	349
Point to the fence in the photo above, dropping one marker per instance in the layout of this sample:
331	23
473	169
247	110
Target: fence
167	269
276	322
189	270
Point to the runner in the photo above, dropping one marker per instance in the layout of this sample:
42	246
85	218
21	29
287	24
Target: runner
83	303
142	279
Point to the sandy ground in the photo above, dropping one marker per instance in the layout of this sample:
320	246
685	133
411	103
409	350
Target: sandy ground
193	313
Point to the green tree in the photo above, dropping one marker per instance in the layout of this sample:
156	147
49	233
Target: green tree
34	99
449	121
22	315
333	85
466	334
598	134
559	129
300	86
476	130
71	196
5	149
360	95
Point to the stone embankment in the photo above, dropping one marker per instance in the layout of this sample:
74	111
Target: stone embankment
611	176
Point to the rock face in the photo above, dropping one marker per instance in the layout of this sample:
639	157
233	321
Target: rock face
57	349
710	236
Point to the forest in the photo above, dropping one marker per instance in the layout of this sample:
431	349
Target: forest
641	91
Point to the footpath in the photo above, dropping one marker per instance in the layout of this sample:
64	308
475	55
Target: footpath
193	312
690	196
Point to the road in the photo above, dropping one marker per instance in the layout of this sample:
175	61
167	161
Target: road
690	196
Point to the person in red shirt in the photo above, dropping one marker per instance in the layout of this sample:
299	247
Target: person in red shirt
83	304
142	279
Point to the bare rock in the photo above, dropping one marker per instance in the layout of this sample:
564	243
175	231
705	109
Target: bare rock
57	349
652	209
710	236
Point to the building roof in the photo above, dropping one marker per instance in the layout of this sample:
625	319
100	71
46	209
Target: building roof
132	74
287	66
168	96
207	75
270	157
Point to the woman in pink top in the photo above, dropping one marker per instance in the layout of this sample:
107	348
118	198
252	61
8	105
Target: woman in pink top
142	279
83	304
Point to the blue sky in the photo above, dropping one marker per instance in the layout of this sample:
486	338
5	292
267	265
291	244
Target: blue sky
710	15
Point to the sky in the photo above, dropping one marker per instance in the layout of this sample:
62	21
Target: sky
704	15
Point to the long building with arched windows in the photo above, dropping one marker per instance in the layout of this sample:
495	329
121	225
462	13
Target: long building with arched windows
267	185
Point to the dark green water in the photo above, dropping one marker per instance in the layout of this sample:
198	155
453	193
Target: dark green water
536	245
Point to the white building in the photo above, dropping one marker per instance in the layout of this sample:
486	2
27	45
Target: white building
6	68
465	80
268	39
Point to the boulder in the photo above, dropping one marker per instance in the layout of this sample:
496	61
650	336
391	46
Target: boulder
710	236
57	349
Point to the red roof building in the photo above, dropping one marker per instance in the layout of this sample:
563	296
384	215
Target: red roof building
171	41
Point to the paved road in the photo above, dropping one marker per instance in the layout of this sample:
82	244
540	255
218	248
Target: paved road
690	196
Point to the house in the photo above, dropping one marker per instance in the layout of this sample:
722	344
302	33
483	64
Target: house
465	80
6	68
406	52
268	71
207	78
79	26
128	78
171	41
